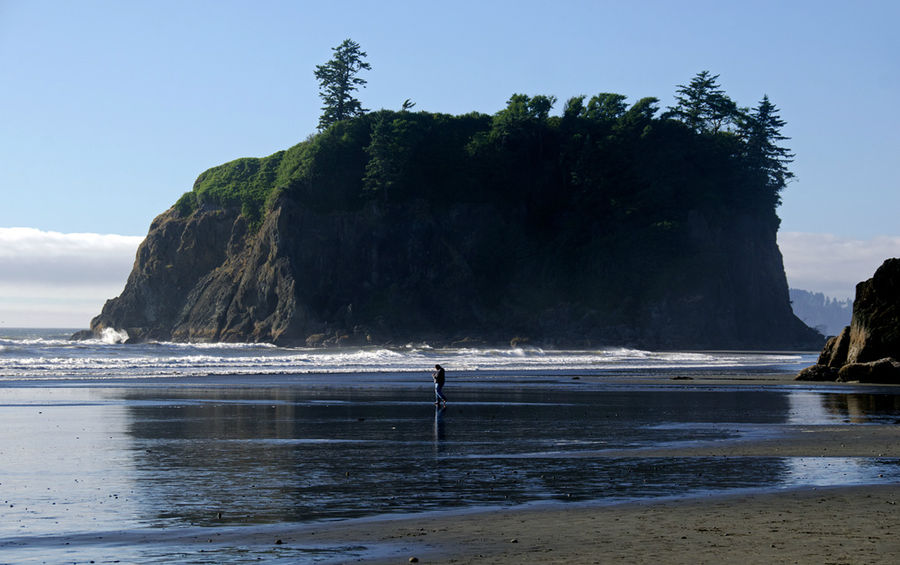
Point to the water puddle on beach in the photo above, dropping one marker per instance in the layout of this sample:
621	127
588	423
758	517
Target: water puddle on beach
80	464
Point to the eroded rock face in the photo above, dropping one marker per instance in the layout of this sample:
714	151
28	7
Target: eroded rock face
835	352
177	253
867	349
460	274
875	327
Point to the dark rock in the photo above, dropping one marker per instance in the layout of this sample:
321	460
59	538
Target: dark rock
818	373
866	350
835	352
316	340
82	335
395	275
885	371
875	327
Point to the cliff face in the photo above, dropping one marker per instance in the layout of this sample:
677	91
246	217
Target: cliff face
616	228
408	272
175	256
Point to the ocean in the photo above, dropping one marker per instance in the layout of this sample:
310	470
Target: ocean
40	356
101	438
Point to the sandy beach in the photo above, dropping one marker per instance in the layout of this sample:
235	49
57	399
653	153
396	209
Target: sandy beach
858	524
851	524
661	466
835	525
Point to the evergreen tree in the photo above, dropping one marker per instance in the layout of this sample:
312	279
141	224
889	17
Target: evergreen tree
703	106
337	81
574	108
606	106
761	130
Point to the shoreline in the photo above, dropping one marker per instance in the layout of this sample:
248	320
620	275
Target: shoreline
854	523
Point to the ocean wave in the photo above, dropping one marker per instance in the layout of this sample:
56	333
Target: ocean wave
49	357
215	345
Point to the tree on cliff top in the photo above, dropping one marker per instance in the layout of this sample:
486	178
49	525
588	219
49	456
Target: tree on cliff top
761	130
703	106
337	81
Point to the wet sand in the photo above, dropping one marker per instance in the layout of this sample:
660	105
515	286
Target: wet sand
836	525
814	525
853	524
844	524
856	524
807	526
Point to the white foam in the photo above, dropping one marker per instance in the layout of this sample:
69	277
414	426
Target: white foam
107	357
111	336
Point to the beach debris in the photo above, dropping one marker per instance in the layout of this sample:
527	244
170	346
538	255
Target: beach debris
514	540
413	559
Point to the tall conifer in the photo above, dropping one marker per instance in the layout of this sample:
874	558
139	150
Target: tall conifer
337	81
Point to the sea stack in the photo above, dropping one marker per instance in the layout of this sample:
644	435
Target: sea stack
400	227
869	348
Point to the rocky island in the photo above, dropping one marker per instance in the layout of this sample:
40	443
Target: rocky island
869	348
607	225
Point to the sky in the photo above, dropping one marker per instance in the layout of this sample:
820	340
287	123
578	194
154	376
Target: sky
110	109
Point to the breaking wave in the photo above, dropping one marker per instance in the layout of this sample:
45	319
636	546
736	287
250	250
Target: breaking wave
53	356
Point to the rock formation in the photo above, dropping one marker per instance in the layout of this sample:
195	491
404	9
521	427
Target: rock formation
406	273
867	350
400	227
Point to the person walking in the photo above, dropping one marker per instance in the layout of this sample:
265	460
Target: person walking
438	376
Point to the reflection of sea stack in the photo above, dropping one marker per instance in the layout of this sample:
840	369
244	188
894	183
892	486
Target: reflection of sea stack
869	348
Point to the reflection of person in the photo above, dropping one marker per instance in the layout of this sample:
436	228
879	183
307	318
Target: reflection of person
438	376
438	426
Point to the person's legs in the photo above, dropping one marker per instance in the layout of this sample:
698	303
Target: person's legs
438	395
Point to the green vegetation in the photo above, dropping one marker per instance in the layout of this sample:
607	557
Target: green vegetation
586	175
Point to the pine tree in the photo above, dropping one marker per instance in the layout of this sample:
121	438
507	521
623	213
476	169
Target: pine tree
703	106
761	131
337	81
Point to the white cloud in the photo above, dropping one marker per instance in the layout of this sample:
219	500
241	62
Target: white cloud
831	264
60	279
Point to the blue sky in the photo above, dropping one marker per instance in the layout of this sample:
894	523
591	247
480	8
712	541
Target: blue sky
110	109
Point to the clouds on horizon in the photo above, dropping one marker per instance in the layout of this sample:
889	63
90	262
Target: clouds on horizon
831	264
52	279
